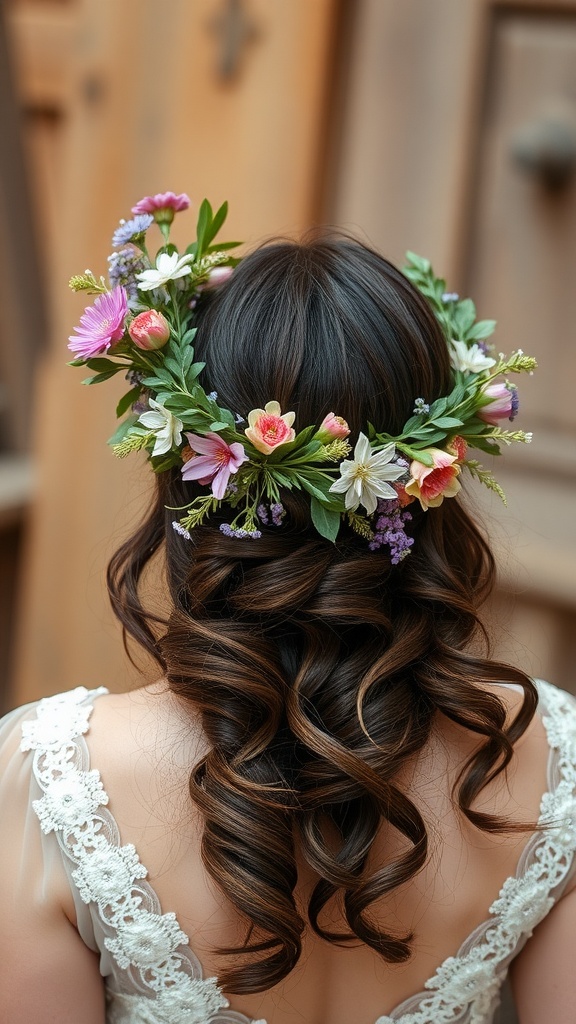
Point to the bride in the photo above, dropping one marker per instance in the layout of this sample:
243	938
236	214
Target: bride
332	807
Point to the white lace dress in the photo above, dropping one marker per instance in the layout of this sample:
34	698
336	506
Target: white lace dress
151	974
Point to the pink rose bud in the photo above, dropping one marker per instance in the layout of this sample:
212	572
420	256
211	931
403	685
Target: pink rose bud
149	330
218	276
331	428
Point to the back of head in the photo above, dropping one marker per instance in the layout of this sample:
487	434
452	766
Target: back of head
318	667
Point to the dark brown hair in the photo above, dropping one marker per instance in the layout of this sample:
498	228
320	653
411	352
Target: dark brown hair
318	668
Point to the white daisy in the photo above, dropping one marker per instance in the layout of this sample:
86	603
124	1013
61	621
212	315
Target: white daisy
168	428
469	360
364	479
169	267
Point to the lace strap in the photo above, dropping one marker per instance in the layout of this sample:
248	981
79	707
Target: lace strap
149	946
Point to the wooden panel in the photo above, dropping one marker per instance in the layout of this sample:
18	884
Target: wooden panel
409	124
524	239
254	139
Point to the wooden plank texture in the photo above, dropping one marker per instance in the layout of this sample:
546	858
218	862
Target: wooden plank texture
148	110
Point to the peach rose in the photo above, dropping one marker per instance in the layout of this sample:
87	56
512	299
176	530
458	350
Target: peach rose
431	484
267	428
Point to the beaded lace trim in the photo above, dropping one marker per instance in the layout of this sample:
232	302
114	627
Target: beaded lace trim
154	951
165	978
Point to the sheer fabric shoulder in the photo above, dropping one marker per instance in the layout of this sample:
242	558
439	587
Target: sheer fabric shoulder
155	978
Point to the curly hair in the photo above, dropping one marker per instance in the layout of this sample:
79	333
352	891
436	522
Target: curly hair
318	669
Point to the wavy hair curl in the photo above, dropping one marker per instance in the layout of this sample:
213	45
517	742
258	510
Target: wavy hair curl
318	668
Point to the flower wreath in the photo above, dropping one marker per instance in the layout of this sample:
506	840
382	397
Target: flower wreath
142	325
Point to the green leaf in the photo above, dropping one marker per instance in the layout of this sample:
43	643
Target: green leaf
127	400
101	377
414	453
447	422
315	485
160	379
438	407
464	316
123	429
173	366
482	329
204	221
218	425
419	262
217	222
326	521
223	247
101	365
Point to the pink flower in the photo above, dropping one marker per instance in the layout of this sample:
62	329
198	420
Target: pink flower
162	206
503	403
431	484
149	330
268	428
100	324
331	428
218	276
215	463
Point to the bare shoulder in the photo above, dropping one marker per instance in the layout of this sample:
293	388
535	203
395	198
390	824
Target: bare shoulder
145	743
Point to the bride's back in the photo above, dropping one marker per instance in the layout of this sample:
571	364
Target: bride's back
144	744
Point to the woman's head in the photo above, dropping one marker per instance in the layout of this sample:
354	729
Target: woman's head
320	326
318	668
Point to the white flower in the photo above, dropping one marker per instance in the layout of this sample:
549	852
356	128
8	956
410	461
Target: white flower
70	801
469	360
364	479
168	428
108	873
169	267
148	940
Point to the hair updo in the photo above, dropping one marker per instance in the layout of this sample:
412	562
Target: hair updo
317	668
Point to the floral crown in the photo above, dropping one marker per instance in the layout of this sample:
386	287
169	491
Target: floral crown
142	325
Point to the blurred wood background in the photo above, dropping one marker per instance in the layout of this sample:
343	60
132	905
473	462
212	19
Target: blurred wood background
444	126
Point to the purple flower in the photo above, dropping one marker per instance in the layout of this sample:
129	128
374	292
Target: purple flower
390	530
262	513
181	530
122	269
277	511
239	534
130	229
100	324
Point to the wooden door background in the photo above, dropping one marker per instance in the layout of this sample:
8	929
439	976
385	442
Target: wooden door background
401	122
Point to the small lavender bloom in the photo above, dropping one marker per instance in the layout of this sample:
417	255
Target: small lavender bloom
402	462
122	269
277	512
213	396
390	530
420	406
181	530
240	534
226	529
238	418
232	488
130	229
484	347
450	297
515	401
262	513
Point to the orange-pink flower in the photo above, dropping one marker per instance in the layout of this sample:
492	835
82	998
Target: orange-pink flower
149	330
431	484
267	428
332	428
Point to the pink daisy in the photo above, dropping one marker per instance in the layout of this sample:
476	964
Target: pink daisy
162	201
101	324
215	463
